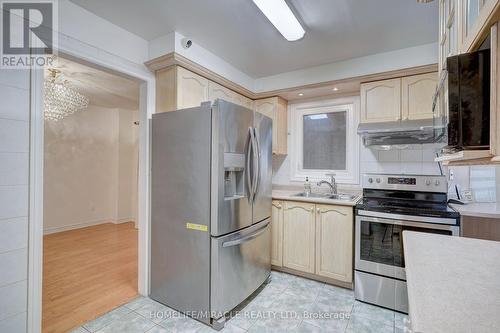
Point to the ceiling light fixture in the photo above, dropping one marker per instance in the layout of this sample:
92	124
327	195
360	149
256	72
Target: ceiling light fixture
282	17
300	94
335	89
59	99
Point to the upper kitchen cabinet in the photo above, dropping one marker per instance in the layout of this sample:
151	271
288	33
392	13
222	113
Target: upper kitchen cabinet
179	88
192	89
476	18
276	109
407	98
416	96
381	101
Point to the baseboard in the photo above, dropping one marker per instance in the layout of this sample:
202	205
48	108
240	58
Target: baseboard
124	220
314	277
53	230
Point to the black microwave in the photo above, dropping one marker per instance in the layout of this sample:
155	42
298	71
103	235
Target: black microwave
469	101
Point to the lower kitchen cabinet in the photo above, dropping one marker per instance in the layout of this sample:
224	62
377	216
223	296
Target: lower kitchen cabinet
298	236
277	234
334	242
313	238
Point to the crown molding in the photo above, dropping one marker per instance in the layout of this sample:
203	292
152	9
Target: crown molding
175	59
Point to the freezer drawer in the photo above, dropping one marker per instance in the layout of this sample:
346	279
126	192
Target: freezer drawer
240	263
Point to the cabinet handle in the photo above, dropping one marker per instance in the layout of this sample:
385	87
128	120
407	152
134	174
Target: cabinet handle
277	206
307	210
331	210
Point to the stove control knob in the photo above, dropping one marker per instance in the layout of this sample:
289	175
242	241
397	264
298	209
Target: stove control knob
378	180
428	182
370	180
436	182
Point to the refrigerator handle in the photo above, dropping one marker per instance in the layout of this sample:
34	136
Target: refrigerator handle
247	171
258	153
246	238
255	163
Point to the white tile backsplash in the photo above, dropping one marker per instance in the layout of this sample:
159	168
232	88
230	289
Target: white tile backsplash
13	201
14	266
13	234
14	168
14	324
13	299
415	159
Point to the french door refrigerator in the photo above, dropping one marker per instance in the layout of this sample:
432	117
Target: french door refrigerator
210	208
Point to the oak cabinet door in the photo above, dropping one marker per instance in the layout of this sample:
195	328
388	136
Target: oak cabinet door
334	242
381	101
215	91
276	109
192	89
298	236
277	234
417	94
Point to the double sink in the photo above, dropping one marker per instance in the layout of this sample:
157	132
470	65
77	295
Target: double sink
339	196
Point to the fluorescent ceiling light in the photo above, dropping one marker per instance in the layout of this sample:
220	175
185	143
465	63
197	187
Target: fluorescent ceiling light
318	116
281	16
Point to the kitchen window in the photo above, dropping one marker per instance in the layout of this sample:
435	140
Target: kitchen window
324	140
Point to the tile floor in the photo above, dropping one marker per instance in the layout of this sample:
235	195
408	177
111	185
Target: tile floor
287	304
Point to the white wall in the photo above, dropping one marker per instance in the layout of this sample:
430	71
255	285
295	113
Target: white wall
377	63
14	206
90	168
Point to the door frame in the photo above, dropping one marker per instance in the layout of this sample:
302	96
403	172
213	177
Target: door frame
94	57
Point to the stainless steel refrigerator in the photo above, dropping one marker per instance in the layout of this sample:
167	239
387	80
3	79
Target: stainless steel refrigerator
210	208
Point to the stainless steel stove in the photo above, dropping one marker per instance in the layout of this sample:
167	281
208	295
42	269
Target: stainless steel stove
390	205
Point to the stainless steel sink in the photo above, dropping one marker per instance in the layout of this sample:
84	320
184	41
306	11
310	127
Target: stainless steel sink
340	196
310	195
343	197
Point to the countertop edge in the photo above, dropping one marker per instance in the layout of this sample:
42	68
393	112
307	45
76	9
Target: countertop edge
316	200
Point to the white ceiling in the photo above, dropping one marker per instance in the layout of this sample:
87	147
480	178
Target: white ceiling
102	88
238	32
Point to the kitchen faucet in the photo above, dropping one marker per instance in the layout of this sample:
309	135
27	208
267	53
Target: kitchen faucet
332	184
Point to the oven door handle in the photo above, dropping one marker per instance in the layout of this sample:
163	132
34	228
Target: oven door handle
453	228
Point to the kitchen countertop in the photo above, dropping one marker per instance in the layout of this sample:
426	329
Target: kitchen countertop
487	210
282	194
453	283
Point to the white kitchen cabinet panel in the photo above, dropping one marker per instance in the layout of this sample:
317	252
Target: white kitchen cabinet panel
417	94
192	89
276	109
277	234
298	236
381	101
334	242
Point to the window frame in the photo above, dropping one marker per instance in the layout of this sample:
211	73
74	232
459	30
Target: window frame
298	111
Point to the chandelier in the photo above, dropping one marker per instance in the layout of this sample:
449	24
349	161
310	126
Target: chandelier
60	100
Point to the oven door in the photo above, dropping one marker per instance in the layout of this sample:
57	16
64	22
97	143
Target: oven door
379	243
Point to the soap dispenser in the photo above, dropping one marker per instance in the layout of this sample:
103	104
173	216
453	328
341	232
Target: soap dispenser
307	186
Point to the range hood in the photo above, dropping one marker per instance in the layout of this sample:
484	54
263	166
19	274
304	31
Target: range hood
402	132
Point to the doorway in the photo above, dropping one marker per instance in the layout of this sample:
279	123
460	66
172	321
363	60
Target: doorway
90	190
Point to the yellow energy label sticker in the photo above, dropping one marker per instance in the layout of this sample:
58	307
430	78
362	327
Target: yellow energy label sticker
194	226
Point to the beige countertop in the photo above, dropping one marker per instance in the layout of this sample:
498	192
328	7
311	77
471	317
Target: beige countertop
453	283
487	210
282	194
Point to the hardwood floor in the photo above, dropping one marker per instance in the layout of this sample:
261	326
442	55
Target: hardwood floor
86	273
